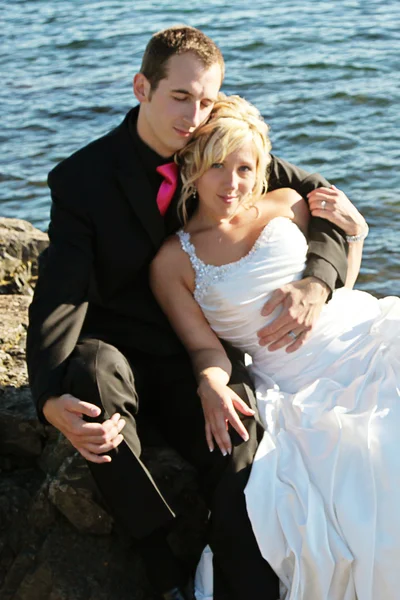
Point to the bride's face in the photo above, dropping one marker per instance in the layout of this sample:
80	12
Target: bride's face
226	184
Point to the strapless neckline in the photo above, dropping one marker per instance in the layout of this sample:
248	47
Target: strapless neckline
278	238
262	237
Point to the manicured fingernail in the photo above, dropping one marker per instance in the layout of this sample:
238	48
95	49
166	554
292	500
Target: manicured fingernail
210	449
230	451
224	453
246	438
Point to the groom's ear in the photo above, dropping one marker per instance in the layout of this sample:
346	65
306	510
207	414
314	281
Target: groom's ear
141	88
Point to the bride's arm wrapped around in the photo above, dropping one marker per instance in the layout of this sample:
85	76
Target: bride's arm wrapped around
333	205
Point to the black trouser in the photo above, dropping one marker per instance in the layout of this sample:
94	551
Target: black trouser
164	389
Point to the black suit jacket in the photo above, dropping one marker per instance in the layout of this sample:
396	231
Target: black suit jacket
105	229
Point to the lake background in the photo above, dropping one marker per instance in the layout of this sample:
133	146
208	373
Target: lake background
325	75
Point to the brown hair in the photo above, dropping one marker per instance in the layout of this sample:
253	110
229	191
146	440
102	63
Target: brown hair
177	40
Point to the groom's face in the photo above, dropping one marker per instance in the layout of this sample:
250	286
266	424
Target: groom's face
170	114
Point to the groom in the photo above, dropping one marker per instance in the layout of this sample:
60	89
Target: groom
103	361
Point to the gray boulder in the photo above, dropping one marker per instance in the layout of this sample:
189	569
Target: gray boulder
20	246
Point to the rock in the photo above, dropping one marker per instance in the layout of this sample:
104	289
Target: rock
20	246
21	435
73	492
57	540
13	325
37	585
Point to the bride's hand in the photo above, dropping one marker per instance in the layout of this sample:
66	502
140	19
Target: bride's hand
333	204
220	404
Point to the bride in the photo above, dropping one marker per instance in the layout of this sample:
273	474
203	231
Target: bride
324	493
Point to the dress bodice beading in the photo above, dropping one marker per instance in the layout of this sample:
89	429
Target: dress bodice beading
232	295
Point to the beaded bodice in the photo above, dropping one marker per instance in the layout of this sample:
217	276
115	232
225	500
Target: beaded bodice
232	295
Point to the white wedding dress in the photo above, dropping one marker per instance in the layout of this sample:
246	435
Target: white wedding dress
324	491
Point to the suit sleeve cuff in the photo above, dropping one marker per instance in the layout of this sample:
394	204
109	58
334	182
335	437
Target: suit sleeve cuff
42	393
39	407
323	270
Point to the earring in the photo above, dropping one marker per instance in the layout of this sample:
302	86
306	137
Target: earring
194	194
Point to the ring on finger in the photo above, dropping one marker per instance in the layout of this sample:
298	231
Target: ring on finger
323	204
293	335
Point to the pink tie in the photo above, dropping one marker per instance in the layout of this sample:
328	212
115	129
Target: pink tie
168	187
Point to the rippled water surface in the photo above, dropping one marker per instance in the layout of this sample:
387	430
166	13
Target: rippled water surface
324	74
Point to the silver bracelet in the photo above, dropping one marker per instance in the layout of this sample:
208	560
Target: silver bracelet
358	238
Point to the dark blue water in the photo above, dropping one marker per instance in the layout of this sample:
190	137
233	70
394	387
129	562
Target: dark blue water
324	74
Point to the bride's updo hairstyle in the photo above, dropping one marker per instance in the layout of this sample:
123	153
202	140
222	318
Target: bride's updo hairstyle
232	123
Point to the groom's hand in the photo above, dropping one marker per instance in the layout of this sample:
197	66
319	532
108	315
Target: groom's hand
301	304
220	404
92	440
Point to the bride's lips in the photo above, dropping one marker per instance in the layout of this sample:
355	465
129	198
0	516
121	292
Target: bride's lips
227	199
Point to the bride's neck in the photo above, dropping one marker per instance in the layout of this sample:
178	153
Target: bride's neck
204	219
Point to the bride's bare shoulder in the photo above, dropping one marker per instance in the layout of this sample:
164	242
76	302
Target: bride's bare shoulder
170	250
286	196
170	261
289	203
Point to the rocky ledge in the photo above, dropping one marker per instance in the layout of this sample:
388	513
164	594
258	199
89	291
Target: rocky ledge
57	541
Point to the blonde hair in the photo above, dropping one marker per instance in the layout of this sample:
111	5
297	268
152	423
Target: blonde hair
232	122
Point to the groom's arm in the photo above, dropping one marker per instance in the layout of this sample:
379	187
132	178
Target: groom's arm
301	302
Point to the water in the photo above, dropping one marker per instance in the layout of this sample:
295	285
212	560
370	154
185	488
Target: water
324	74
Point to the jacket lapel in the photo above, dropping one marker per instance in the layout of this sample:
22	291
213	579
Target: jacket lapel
134	182
139	193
